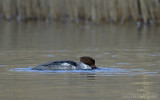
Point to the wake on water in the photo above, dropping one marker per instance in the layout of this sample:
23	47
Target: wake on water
102	71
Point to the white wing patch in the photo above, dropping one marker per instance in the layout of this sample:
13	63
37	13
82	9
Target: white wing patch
65	64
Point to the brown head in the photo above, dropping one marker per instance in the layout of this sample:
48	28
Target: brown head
88	61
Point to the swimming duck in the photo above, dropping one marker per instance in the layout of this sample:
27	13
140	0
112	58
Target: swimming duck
85	63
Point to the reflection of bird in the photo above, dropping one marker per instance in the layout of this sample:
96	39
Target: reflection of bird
85	63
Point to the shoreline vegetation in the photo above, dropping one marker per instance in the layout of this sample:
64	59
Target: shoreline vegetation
96	11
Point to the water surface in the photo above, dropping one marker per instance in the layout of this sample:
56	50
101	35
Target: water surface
128	59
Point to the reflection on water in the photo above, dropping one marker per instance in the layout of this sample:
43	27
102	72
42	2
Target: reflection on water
128	61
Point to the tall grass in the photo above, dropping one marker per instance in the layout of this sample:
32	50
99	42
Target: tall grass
97	11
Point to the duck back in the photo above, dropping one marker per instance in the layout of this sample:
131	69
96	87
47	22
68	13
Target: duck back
57	65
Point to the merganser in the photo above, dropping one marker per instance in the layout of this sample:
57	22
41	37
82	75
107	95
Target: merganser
85	63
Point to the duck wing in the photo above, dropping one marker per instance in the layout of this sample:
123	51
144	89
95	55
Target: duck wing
61	64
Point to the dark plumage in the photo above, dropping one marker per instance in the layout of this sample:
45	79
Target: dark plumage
85	62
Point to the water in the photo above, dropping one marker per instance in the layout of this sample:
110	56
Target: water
128	59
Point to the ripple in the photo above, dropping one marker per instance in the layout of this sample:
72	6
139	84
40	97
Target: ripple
147	54
123	63
154	55
63	50
115	56
3	65
97	72
50	55
90	50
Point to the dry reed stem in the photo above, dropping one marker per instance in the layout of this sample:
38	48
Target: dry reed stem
96	11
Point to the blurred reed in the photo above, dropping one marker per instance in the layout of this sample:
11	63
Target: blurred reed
97	11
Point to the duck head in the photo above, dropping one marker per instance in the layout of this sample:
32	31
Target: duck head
88	61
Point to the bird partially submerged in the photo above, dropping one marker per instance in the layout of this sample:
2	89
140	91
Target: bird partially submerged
85	63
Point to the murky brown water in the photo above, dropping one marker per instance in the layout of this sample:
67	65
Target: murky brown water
129	62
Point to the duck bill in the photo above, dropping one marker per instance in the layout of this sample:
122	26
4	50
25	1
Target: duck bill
94	67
